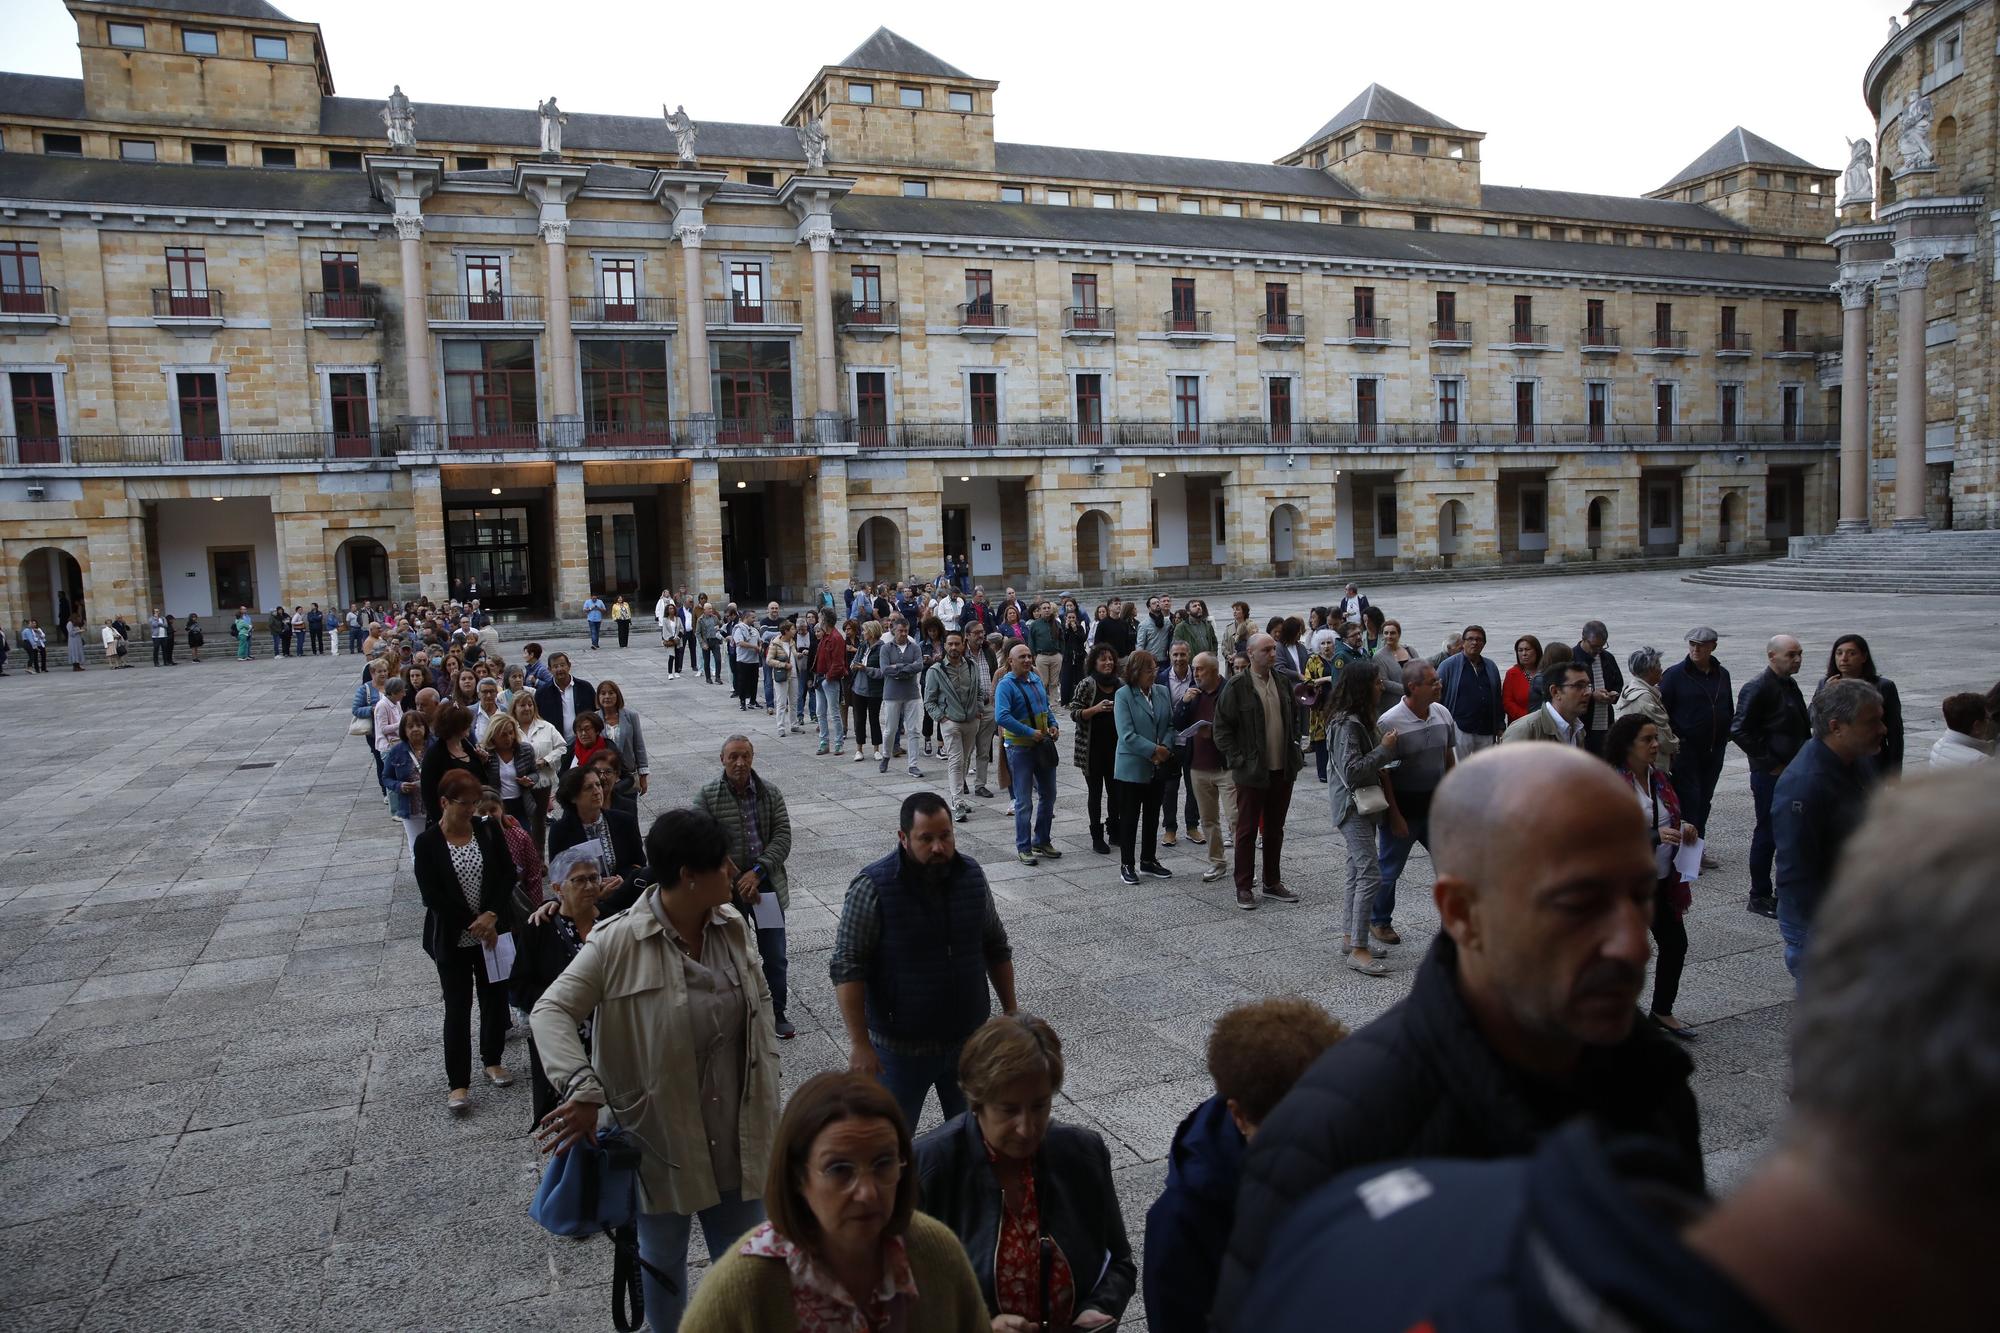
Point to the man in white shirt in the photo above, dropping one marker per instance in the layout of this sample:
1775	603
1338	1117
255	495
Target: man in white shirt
1426	750
950	611
158	625
1353	606
1968	737
1175	807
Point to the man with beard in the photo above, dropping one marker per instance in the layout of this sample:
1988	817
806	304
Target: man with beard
1156	627
919	939
1522	1016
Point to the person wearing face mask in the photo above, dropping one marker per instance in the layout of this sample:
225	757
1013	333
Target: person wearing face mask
919	940
1031	1199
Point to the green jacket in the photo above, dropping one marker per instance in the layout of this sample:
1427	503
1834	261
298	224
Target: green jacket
1198	635
773	821
1239	731
1043	637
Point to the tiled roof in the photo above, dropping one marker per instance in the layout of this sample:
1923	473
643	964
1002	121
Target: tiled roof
518	127
1379	103
895	54
234	9
193	189
1611	208
1741	148
1038	161
952	217
41	95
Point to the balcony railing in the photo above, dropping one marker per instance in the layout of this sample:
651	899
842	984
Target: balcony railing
1734	342
356	306
621	310
1451	331
1040	435
1282	325
1797	344
982	315
738	310
1668	340
493	308
870	314
1374	328
1089	319
1528	335
298	446
1187	321
32	299
1598	338
186	303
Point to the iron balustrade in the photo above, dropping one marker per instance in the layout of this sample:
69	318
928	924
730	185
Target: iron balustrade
982	314
1734	341
849	311
1451	331
1597	337
1187	321
621	310
167	447
738	310
343	305
187	303
1289	325
1089	318
1527	334
493	307
1373	329
30	299
1670	340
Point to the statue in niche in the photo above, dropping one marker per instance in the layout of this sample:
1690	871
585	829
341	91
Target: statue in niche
1860	179
401	118
553	121
1913	135
812	138
684	130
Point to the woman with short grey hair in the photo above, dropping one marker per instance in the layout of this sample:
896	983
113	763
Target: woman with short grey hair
1641	695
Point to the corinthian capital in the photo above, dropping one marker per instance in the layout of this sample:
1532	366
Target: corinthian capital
409	227
820	239
1911	272
690	233
1854	293
556	231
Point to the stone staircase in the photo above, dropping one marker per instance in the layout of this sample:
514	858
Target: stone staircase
1953	563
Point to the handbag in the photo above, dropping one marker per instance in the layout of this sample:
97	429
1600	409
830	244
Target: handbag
589	1188
1370	801
360	726
1048	755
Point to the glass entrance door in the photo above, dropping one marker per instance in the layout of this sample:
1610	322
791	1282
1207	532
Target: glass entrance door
490	555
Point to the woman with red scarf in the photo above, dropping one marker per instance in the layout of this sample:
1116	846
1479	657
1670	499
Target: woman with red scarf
1631	746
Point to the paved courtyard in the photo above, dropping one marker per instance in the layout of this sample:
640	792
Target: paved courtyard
219	1066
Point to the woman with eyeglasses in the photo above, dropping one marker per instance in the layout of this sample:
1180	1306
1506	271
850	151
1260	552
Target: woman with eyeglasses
845	1247
466	877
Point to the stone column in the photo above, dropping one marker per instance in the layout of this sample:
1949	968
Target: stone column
1855	296
427	520
688	230
1912	407
829	555
701	531
571	542
416	320
562	347
826	404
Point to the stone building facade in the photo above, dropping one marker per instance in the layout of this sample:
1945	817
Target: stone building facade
262	343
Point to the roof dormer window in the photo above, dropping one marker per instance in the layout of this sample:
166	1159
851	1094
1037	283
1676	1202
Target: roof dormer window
270	48
199	42
959	101
129	35
913	97
862	93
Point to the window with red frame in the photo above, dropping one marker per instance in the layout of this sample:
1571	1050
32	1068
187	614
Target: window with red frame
1090	409
1367	408
1364	312
1593	322
618	285
871	407
489	390
187	281
1663	324
746	292
983	395
1524	412
1791	330
1447	315
1278	408
485	285
624	391
37	435
1597	406
1083	300
979	296
1449	409
1730	412
1277	307
1183	315
340	284
1728	334
21	278
1524	319
867	294
200	411
1663	412
1187	409
347	397
1791	412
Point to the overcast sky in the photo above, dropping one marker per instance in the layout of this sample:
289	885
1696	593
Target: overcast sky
1602	96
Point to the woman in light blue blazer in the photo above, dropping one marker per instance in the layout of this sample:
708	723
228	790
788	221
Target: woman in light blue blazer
1144	714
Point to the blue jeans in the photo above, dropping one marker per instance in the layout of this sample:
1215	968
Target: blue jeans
1792	930
771	946
1029	779
597	628
770	689
1391	853
1763	842
910	1078
831	723
663	1243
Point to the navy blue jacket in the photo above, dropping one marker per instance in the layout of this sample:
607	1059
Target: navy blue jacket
1815	805
1188	1225
1453	675
1699	705
927	980
1524	1244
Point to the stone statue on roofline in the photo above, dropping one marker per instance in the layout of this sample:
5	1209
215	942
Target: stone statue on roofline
401	118
684	130
1913	134
1858	186
553	121
812	138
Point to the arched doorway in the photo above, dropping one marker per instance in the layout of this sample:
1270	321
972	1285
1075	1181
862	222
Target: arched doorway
361	570
1594	520
878	552
1284	539
53	582
1093	548
1451	522
1732	522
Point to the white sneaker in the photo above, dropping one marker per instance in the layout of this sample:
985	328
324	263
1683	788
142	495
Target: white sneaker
860	753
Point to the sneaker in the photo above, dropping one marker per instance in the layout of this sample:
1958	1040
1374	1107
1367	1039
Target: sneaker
859	755
927	749
1026	858
1228	841
1197	839
1010	810
1246	900
1044	850
823	747
837	751
1278	893
785	1030
915	772
1763	906
1156	870
885	766
1170	839
961	812
1213	873
1126	876
983	791
1367	967
1386	934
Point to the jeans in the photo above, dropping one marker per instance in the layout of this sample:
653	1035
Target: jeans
777	965
159	651
461	972
355	638
1670	941
831	722
910	1078
1763	842
1392	853
1364	876
770	689
281	644
663	1243
596	630
1261	810
711	660
1030	780
1792	930
1138	805
318	638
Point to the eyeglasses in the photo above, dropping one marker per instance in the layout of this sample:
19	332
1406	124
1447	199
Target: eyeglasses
845	1176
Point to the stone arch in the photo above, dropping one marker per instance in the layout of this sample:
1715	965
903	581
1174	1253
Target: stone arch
878	551
1286	521
1452	520
1730	520
361	571
48	574
1093	547
1596	518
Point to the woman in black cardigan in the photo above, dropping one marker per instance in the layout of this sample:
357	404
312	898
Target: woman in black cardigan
1003	1175
467	881
451	749
586	815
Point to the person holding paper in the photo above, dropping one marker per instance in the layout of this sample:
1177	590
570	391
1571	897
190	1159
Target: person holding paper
1632	746
752	812
467	882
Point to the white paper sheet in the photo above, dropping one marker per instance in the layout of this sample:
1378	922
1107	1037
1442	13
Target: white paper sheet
767	914
1688	859
500	958
1187	737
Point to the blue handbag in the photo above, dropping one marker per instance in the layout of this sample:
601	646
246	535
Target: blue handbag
590	1189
